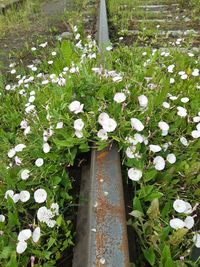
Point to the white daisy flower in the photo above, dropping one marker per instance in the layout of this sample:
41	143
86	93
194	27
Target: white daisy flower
24	235
39	162
184	141
76	107
2	218
78	134
189	222
155	148
25	174
179	206
143	101
196	240
103	117
24	196
102	134
21	247
134	174
109	125
119	97
78	124
36	234
159	163
171	158
46	148
177	223
40	195
137	124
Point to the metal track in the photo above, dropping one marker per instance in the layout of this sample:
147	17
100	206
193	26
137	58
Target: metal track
101	225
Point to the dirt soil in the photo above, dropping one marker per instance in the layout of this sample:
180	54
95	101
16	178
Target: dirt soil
46	24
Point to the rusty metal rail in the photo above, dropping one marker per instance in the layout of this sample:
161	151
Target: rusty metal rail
101	224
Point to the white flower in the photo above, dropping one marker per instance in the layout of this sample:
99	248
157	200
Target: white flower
184	76
166	105
46	148
78	124
177	223
155	148
134	174
163	126
102	134
25	174
143	101
9	193
39	162
24	196
21	247
24	235
103	117
36	234
24	124
184	141
170	68
59	125
139	138
44	214
137	124
119	97
185	99
182	112
76	107
189	222
130	152
51	223
171	158
196	240
40	195
171	80
2	218
55	208
109	125
159	163
16	197
198	127
11	153
188	209
195	73
27	130
20	147
78	134
179	206
18	161
195	134
31	99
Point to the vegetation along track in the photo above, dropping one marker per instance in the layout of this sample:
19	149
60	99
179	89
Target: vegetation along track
137	100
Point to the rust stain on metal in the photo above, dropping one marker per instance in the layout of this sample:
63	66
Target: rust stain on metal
106	211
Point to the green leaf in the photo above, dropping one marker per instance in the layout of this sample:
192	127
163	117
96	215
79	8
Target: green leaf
150	175
166	259
13	261
153	195
137	204
51	242
149	255
136	214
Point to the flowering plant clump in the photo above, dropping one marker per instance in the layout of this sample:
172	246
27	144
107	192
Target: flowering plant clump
52	111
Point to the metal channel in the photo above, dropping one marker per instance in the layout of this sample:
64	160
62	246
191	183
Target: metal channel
101	224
